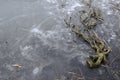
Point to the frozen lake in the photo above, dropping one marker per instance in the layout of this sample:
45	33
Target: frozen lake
36	45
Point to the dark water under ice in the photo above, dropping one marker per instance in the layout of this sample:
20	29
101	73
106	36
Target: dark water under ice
34	36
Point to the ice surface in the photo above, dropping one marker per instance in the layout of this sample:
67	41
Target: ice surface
33	34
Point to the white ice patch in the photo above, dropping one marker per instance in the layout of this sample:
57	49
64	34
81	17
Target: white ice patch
109	12
113	36
39	68
35	30
72	8
36	70
51	1
26	52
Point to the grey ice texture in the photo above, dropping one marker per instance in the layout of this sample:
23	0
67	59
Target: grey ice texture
33	34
